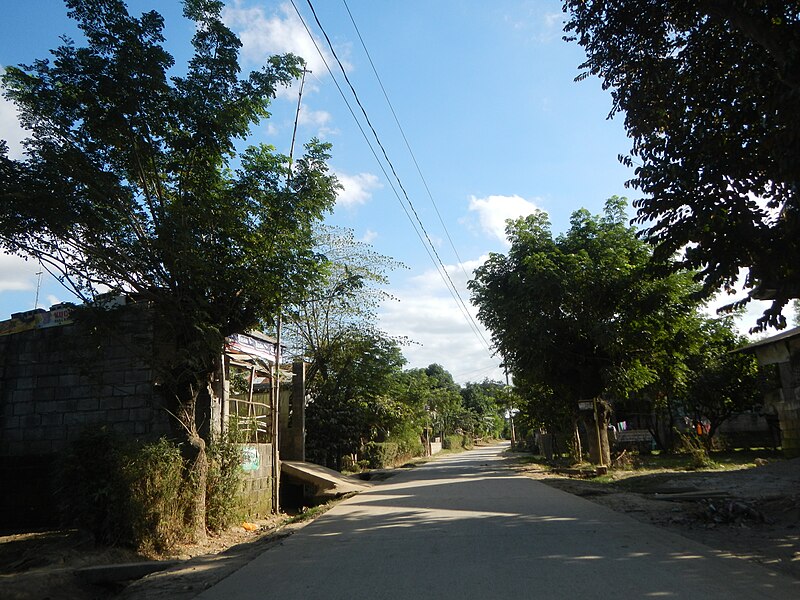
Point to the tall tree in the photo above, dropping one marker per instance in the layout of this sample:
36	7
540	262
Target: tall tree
132	180
350	399
577	316
434	390
710	90
722	382
487	403
342	300
352	364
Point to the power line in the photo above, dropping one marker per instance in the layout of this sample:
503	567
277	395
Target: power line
364	135
440	267
405	139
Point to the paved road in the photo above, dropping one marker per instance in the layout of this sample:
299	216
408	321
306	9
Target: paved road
464	527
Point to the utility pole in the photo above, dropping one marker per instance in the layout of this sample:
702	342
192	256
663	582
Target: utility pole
38	287
510	410
276	386
276	411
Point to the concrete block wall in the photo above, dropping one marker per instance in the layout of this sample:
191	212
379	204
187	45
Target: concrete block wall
56	382
789	408
257	490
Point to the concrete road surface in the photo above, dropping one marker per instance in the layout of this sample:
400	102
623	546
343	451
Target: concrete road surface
463	527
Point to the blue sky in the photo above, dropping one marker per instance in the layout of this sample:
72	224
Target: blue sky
485	96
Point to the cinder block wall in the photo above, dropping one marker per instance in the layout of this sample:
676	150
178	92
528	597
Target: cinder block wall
257	492
60	380
56	382
789	409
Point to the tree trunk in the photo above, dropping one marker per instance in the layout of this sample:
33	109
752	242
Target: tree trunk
577	450
187	390
599	449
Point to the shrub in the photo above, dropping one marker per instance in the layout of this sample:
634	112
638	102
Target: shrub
158	497
381	454
452	442
124	494
690	443
224	502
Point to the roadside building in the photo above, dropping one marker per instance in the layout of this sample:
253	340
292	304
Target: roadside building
60	375
779	356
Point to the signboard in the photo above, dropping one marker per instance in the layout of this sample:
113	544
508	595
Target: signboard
60	314
586	405
252	346
251	460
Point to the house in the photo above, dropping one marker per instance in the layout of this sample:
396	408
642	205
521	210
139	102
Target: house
58	378
779	356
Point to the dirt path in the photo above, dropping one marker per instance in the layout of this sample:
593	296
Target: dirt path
749	513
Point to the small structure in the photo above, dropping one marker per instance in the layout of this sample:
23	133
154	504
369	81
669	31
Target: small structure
779	356
58	378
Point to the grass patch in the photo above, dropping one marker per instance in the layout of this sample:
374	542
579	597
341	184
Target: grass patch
312	512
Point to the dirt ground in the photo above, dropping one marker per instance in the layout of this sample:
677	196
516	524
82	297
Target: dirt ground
45	565
750	513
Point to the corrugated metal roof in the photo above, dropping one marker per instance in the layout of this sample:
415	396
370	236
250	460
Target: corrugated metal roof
784	335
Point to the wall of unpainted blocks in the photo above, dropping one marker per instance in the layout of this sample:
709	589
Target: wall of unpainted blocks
56	382
257	484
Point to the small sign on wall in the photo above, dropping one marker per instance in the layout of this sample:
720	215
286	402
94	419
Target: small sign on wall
251	460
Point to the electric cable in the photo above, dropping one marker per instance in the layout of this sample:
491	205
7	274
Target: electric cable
405	139
445	277
449	282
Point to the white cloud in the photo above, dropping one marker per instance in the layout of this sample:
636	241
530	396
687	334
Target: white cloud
313	117
369	236
318	119
493	211
357	188
52	299
17	274
10	129
267	32
428	315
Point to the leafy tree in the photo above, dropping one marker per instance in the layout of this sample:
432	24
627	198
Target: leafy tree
132	180
577	316
351	398
710	91
342	300
352	364
486	402
722	382
438	395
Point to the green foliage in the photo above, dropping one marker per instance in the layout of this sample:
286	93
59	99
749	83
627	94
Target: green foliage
124	494
352	365
457	442
224	486
480	399
397	450
722	382
382	454
133	180
157	497
350	403
709	91
581	315
433	397
691	444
